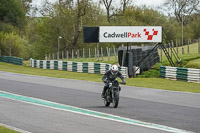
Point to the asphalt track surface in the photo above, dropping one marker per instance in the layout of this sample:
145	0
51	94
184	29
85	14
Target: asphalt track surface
173	109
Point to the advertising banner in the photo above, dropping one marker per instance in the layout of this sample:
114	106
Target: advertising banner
130	34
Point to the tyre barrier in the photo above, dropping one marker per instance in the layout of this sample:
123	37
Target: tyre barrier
82	67
11	59
179	73
135	54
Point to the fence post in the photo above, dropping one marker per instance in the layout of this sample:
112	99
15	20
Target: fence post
168	45
172	46
108	53
0	52
177	46
107	50
53	56
188	46
95	52
83	53
115	53
182	48
134	71
72	54
199	46
62	54
46	58
89	53
49	56
67	54
77	53
161	54
102	53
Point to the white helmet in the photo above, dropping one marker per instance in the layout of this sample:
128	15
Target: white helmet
114	69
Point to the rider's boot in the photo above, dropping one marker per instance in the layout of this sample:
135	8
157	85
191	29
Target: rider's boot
103	92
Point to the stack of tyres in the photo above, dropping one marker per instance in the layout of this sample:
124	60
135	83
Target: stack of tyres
97	68
7	59
64	65
120	56
56	65
108	67
11	59
156	57
74	66
20	61
138	55
151	59
85	67
48	64
139	58
41	64
126	60
145	63
134	58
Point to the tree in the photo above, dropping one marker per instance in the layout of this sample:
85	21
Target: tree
13	45
81	7
12	11
27	5
182	8
112	11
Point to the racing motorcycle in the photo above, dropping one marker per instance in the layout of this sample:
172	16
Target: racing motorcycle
112	94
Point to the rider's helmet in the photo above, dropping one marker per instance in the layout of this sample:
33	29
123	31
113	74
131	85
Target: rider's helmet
114	69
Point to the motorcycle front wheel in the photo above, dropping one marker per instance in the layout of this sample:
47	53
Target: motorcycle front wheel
115	99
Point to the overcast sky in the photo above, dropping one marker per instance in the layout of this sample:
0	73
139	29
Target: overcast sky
151	3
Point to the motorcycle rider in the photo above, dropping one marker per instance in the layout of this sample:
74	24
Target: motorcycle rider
110	76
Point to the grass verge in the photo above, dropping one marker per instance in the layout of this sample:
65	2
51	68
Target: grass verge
193	64
156	83
6	130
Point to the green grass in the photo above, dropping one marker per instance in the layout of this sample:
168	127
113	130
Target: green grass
165	84
190	60
46	72
6	130
156	83
193	64
185	58
113	60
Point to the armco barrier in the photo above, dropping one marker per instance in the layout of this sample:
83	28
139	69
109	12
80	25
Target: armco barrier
11	59
82	67
178	73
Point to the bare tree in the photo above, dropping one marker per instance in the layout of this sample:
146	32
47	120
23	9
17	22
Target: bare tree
70	28
124	4
183	7
107	4
81	7
112	11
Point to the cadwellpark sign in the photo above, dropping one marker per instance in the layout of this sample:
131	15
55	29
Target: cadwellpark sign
130	34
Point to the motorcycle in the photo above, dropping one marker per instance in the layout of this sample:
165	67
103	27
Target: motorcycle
112	94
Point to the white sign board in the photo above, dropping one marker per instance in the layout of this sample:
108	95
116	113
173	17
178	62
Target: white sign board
130	34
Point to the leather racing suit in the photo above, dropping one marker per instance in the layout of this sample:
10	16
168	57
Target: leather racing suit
109	77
